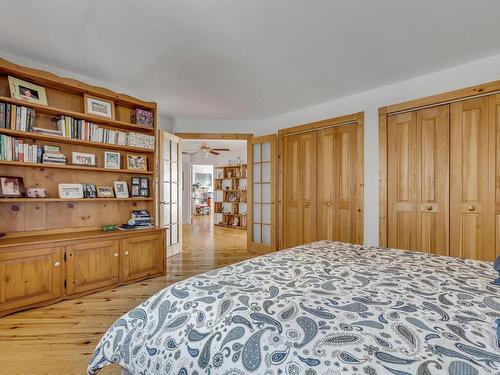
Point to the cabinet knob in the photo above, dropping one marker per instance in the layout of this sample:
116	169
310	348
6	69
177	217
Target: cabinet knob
472	208
306	204
428	207
328	204
116	254
57	264
126	252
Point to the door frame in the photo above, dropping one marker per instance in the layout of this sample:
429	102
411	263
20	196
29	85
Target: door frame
232	137
413	105
355	119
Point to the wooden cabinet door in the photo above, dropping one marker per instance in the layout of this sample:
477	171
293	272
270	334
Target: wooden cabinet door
299	217
401	178
327	228
142	256
494	117
432	180
92	265
472	190
30	277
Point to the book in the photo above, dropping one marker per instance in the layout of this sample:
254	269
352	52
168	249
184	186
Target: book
2	115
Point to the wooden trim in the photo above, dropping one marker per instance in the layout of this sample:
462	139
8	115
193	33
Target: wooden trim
281	150
443	98
342	120
44	78
228	136
382	162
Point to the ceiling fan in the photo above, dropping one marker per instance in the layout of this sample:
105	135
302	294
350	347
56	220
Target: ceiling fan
206	149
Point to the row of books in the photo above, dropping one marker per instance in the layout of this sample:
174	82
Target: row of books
70	127
16	117
13	149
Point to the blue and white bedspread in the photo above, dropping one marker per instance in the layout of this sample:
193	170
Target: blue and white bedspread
323	308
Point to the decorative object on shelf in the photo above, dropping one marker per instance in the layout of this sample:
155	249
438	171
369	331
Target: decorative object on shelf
142	117
121	189
111	160
82	158
140	187
238	161
236	221
11	187
71	191
27	91
36	193
137	162
138	219
89	191
99	107
109	228
144	187
141	140
105	192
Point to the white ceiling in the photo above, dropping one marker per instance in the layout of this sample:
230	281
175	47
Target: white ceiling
189	145
253	58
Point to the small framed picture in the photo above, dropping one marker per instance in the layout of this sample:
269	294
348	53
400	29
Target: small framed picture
137	162
135	191
144	183
121	189
99	107
82	158
111	160
11	187
105	192
136	180
89	191
144	193
36	193
27	91
71	191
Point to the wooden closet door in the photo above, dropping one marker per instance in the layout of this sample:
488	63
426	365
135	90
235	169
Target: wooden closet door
307	168
326	192
472	180
494	116
433	180
401	181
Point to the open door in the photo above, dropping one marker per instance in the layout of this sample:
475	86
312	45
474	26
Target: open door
262	231
170	187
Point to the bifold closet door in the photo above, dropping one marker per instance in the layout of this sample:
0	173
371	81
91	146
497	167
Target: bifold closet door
418	180
337	184
299	219
472	223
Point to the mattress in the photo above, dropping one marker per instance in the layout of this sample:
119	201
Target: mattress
322	308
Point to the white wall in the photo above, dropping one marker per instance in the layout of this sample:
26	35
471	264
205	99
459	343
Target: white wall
478	72
205	169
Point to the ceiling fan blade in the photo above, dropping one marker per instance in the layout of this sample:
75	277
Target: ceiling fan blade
220	149
214	153
190	153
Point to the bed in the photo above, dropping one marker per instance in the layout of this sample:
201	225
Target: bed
322	308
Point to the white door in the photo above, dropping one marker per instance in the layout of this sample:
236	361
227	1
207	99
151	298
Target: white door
170	187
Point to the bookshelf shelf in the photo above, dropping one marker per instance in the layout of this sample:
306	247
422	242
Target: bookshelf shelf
72	141
38	200
78	115
72	167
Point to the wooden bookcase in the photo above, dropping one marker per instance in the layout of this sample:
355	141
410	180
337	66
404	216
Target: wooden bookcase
53	225
230	198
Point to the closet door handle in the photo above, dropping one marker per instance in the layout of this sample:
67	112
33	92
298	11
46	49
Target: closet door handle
57	264
306	204
328	204
428	207
471	208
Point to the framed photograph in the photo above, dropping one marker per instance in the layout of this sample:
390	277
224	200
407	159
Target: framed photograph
121	189
36	193
135	191
137	162
11	187
141	140
144	183
27	91
105	192
111	160
99	107
89	191
82	158
136	180
71	191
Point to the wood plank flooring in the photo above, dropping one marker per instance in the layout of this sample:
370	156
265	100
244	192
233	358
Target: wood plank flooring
59	339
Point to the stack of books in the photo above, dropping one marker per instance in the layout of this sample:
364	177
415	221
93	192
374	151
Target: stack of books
12	149
139	219
53	155
70	127
16	117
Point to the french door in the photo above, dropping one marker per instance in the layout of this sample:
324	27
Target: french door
262	231
170	188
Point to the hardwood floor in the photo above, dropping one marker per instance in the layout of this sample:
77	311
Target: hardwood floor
59	339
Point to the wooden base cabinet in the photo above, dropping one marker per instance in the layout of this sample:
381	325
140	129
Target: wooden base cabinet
33	275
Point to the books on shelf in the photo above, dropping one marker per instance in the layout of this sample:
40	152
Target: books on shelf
13	149
53	155
16	117
70	127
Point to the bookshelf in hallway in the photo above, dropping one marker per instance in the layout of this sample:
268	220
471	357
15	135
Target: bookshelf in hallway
54	248
230	196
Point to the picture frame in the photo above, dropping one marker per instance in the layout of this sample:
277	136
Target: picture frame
136	180
112	160
83	158
70	191
135	191
89	191
36	193
27	91
98	107
137	162
12	187
105	192
121	189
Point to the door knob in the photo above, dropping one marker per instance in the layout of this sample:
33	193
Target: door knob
328	203
57	264
306	204
116	254
472	208
126	252
428	207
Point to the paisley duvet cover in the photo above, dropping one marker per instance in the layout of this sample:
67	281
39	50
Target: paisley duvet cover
323	308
